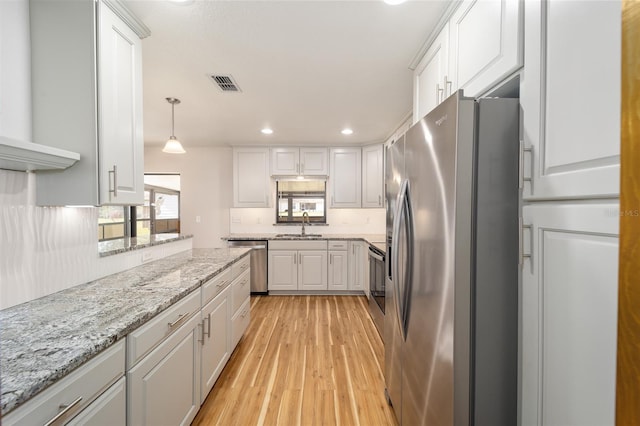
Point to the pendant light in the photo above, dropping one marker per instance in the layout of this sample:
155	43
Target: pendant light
173	145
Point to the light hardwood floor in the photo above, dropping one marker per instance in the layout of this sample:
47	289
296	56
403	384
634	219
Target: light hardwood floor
304	360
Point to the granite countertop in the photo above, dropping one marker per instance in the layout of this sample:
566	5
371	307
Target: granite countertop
368	238
121	245
45	339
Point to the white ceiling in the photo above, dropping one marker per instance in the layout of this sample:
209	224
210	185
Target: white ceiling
306	69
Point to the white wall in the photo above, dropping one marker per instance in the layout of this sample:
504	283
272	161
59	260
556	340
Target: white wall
206	189
341	221
47	249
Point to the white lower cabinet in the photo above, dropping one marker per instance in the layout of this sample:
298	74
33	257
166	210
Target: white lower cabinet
216	341
163	372
297	265
338	265
108	410
357	279
164	387
240	322
80	391
240	312
569	314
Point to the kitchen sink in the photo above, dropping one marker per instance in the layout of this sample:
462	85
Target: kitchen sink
298	235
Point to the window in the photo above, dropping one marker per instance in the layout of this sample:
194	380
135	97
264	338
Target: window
159	214
298	196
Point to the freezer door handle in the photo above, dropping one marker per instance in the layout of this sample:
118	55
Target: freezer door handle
402	226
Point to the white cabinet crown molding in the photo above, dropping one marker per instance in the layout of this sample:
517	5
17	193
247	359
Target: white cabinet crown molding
29	156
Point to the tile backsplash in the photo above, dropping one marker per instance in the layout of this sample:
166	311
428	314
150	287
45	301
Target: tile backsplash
48	249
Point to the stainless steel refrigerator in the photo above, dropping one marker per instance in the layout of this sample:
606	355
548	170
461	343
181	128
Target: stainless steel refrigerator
451	290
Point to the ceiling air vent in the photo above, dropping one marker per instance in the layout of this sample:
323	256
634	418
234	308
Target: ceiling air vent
225	83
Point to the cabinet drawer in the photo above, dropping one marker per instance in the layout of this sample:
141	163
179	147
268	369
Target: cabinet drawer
338	245
240	322
83	386
240	290
215	285
145	338
240	266
297	245
109	409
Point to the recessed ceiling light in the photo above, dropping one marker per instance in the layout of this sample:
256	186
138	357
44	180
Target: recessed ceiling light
394	2
347	131
266	131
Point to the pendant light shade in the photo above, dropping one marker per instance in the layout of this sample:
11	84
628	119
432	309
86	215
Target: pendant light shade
173	145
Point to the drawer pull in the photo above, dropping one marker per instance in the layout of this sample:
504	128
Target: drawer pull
244	314
221	284
208	318
65	409
244	282
180	319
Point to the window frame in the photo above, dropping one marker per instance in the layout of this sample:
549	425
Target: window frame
292	220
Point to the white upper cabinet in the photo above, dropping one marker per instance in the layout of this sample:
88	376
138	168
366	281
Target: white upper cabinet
251	183
314	162
429	77
285	161
87	98
373	176
485	44
288	161
570	98
345	178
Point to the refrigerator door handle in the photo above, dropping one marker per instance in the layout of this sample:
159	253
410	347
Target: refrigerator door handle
408	273
400	279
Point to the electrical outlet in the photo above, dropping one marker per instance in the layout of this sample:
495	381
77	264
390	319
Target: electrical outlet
197	219
235	219
147	256
258	220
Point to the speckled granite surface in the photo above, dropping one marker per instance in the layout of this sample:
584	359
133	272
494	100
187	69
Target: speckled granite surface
121	245
369	238
44	340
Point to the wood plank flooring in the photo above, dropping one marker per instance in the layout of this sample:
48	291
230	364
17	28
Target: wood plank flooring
304	360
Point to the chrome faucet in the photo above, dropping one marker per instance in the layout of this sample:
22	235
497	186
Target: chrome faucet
304	214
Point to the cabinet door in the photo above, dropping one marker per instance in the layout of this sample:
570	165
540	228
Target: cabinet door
429	76
312	270
372	176
216	341
109	409
314	161
345	177
338	270
283	270
485	44
356	265
285	161
251	182
569	315
164	387
120	139
570	98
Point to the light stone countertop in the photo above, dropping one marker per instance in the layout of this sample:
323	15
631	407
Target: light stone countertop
368	238
121	245
45	339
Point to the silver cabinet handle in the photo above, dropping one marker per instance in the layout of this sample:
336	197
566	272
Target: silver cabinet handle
208	325
302	168
65	409
300	258
448	84
297	168
201	327
522	254
114	172
521	176
244	282
438	92
295	259
244	314
379	200
330	259
180	319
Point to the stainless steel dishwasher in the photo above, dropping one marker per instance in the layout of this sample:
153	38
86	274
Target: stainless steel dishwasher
258	263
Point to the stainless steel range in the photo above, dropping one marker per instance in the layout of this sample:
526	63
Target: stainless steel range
376	286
